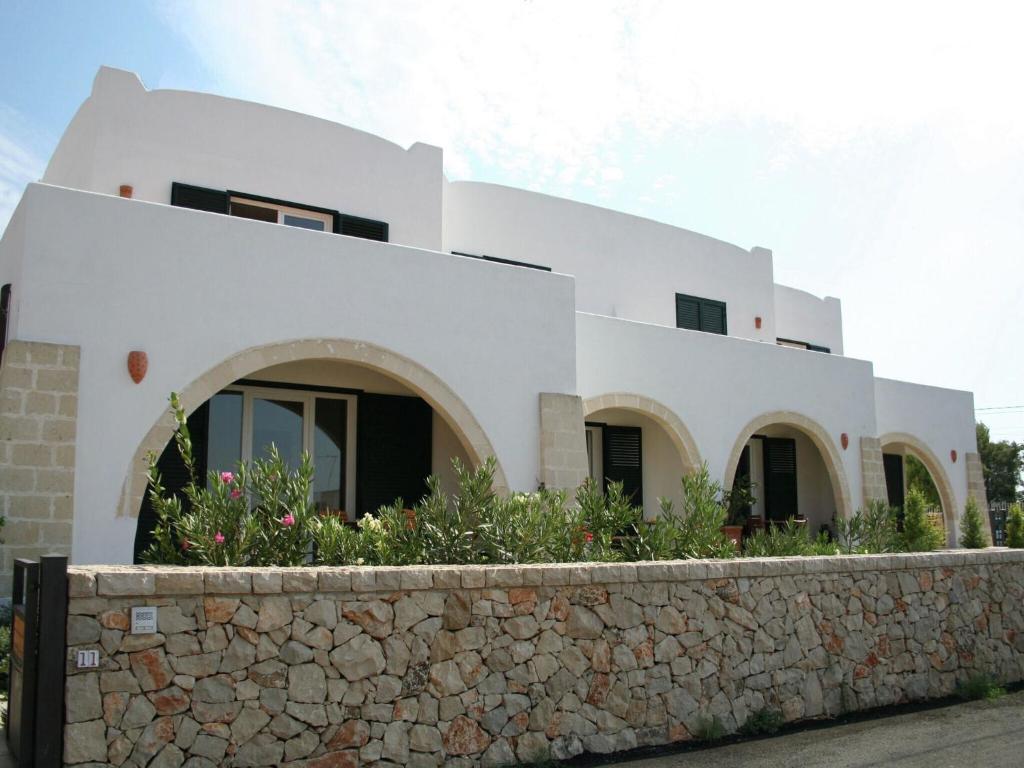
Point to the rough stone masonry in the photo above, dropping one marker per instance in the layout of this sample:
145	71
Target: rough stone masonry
467	666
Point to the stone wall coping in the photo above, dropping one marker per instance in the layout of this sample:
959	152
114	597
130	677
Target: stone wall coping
159	580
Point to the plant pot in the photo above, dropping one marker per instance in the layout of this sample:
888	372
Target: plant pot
734	534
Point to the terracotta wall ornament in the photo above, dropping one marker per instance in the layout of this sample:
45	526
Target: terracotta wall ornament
845	440
138	364
952	455
126	190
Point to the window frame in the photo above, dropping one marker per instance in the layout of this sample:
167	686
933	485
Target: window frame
701	304
283	209
308	399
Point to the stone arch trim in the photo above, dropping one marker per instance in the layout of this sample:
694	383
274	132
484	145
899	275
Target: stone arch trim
822	441
939	476
685	445
418	378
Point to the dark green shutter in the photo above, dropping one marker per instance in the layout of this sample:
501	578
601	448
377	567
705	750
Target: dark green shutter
892	463
199	198
355	226
697	314
712	316
174	475
780	490
623	461
687	312
393	452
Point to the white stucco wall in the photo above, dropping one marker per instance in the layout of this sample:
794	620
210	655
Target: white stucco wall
717	385
943	419
625	266
124	134
192	289
802	316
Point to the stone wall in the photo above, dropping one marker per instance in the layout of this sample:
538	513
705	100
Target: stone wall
38	419
475	666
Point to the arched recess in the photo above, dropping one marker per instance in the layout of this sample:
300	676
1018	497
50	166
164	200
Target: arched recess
818	436
426	384
939	476
672	424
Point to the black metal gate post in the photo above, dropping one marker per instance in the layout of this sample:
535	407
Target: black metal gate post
21	702
35	716
53	621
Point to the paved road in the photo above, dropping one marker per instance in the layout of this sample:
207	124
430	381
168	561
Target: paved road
972	734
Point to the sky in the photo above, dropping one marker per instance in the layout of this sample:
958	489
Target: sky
877	148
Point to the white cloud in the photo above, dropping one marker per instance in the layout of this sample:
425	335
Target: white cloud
19	165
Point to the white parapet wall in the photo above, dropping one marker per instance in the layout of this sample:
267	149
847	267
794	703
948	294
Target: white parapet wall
199	292
470	665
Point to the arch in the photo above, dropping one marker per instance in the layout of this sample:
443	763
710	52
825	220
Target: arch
822	441
939	476
423	382
680	436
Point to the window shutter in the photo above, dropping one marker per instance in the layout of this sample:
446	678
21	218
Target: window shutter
354	226
393	453
780	490
687	312
712	316
892	464
5	317
623	461
199	198
174	476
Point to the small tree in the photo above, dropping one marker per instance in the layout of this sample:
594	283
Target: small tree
1015	527
920	534
972	531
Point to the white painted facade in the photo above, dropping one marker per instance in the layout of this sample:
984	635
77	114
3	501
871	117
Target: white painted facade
195	289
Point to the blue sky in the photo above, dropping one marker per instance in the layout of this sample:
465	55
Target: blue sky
882	163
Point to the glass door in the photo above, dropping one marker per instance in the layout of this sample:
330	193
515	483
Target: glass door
278	421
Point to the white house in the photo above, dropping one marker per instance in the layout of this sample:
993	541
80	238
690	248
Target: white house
309	284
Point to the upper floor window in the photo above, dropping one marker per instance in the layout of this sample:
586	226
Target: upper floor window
802	345
290	214
697	314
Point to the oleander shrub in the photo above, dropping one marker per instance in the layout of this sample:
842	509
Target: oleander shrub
972	530
260	514
1015	527
871	530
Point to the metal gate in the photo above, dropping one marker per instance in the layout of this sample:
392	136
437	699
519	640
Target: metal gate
997	512
35	702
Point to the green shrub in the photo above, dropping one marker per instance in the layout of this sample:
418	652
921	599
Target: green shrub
5	648
872	530
709	728
698	524
764	720
972	530
785	540
979	686
258	515
1015	527
919	534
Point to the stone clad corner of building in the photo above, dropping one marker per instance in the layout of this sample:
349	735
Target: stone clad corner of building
479	665
38	424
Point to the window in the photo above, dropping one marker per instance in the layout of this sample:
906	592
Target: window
290	216
267	209
245	420
697	314
802	345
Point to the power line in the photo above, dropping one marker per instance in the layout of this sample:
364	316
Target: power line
1002	408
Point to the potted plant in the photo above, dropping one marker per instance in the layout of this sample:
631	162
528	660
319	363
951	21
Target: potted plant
738	501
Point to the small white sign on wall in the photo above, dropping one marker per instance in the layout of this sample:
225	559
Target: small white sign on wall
144	620
88	659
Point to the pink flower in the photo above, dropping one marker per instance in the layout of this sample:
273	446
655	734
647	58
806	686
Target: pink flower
185	544
287	521
219	538
588	537
236	492
227	477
